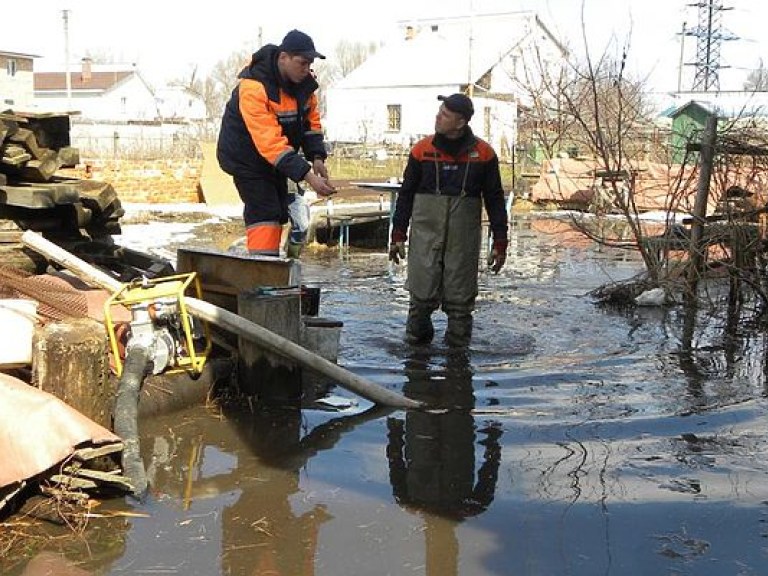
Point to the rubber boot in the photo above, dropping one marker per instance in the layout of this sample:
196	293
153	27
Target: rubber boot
458	333
418	328
293	250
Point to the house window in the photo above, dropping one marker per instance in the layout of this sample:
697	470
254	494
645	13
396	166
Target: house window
123	104
11	66
487	122
394	117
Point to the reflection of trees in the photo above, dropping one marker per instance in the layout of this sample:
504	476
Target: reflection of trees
719	351
723	346
432	457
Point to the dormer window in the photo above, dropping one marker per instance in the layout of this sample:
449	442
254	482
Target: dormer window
11	67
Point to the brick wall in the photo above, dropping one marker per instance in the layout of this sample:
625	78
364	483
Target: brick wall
146	181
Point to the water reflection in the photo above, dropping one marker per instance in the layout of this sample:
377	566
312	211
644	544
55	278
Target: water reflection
265	529
431	456
615	461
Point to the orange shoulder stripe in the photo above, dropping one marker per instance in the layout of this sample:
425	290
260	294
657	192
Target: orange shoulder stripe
260	119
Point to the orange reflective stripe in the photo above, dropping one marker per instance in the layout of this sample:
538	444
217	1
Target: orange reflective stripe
261	119
264	238
313	115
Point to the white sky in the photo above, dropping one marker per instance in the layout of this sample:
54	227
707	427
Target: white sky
167	39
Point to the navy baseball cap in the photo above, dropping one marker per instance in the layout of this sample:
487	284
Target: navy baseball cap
459	103
296	42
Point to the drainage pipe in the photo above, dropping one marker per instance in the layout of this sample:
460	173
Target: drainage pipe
234	323
138	361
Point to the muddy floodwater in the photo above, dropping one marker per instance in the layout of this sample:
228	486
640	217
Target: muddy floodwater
569	440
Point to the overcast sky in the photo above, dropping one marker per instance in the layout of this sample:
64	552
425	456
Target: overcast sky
168	38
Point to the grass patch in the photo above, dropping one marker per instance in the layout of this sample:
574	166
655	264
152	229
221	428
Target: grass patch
370	169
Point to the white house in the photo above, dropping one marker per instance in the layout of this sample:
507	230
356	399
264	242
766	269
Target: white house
113	108
391	97
114	92
177	103
16	80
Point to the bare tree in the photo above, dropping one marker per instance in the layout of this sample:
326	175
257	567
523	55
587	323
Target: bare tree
214	89
347	56
609	120
757	80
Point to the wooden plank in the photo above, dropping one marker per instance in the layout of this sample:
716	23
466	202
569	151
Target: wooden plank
13	117
42	170
27	138
10	236
98	477
91	452
58	492
17	158
352	215
73	482
229	274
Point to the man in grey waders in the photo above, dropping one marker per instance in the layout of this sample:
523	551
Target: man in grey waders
449	177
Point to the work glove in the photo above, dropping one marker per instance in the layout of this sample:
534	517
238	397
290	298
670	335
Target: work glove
498	255
397	246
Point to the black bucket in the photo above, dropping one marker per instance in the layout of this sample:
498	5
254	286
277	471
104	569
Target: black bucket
310	300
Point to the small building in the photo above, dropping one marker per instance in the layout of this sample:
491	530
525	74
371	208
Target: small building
390	99
114	109
115	92
16	80
690	118
688	121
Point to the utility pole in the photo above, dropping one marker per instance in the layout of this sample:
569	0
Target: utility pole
470	80
709	35
680	64
68	78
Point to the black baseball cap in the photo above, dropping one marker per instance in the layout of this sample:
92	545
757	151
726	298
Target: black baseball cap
459	103
296	42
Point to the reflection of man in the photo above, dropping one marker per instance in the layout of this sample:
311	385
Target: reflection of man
284	543
432	457
267	530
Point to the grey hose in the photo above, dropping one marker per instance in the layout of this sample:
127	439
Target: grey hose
136	366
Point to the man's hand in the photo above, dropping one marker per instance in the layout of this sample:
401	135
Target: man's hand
397	246
319	168
319	183
498	255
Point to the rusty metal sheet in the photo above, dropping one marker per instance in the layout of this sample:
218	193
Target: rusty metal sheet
38	431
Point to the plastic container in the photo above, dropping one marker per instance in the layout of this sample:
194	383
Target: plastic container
18	319
321	336
310	300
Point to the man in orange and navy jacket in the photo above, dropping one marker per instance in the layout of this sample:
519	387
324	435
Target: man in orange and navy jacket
271	115
450	176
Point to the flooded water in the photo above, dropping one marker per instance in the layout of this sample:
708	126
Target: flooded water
569	440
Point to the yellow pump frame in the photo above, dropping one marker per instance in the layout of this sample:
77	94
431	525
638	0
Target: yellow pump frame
154	289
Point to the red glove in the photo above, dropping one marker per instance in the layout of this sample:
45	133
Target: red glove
397	246
498	255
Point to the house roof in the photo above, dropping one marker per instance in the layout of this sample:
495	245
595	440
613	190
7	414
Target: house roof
17	54
725	104
100	81
705	106
447	51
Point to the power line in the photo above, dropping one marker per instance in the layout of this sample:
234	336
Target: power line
709	34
